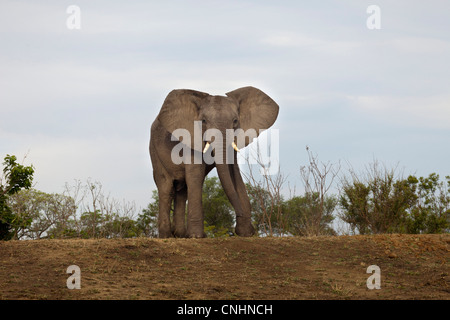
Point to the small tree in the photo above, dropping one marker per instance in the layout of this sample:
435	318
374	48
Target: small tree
430	213
266	209
217	209
317	178
377	203
48	214
100	214
14	178
301	210
147	221
384	203
266	199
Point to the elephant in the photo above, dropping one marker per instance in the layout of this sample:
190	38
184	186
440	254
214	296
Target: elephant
189	110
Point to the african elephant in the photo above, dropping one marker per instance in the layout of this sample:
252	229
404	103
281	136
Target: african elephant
197	112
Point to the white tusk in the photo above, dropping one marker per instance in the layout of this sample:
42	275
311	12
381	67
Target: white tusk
206	147
235	147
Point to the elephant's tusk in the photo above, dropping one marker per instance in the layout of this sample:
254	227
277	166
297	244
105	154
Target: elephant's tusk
235	147
206	147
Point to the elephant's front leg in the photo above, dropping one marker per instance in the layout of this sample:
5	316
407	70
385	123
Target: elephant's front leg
179	214
165	194
244	225
195	175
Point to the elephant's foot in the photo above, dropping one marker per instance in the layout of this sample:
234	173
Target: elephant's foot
244	228
195	229
197	235
179	232
164	233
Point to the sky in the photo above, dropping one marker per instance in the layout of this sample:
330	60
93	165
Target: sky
79	103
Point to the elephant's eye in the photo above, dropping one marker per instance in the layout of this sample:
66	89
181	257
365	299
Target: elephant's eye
203	121
235	122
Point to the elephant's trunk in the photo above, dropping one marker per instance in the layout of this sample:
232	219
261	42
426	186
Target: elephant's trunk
227	177
234	188
233	185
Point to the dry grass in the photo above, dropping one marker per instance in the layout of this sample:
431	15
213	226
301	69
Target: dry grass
412	267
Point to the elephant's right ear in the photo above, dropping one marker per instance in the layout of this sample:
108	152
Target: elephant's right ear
180	109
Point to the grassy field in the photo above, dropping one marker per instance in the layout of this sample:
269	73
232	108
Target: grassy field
412	267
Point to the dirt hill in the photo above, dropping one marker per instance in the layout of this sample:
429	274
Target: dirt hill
411	267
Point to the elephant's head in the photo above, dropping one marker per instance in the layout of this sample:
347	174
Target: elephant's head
246	108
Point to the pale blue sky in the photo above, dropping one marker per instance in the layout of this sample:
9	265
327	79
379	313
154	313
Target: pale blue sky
81	102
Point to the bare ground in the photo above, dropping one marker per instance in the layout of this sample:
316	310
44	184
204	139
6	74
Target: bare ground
412	267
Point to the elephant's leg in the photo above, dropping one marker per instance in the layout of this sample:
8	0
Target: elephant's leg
179	215
195	175
244	225
165	194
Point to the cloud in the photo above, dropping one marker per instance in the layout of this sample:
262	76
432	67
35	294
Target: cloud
424	112
419	45
311	43
291	40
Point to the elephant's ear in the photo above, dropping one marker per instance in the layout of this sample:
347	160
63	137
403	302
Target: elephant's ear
180	110
256	109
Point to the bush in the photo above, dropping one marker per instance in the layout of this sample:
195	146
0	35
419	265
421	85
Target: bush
306	216
384	203
15	178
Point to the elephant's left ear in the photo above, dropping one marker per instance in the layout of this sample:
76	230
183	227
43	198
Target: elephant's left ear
256	109
180	111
